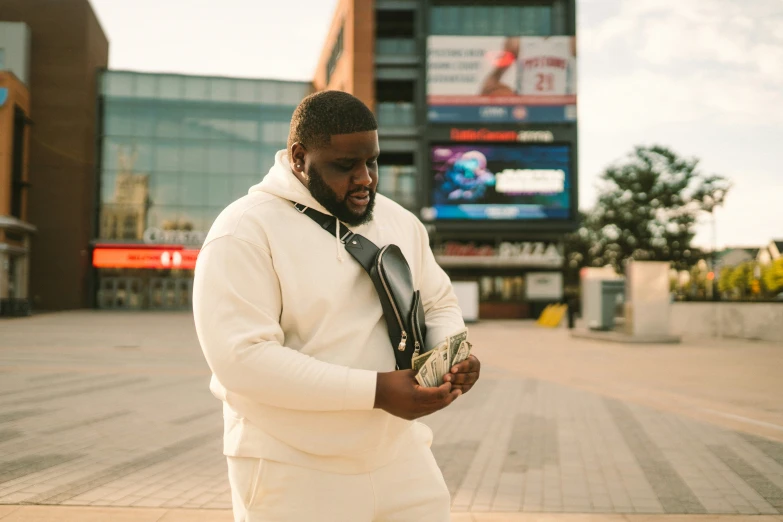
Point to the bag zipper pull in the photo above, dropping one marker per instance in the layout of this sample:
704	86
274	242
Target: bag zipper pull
416	348
403	341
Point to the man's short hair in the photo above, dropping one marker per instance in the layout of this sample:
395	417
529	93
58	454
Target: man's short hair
324	114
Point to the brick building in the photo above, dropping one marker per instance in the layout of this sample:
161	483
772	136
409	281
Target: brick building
63	54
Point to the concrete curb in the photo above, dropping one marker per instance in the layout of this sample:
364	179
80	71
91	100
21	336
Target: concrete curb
619	337
15	513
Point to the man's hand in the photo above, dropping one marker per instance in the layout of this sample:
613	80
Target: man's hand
398	393
465	374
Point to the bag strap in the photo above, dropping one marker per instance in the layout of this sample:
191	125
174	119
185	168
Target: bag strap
361	248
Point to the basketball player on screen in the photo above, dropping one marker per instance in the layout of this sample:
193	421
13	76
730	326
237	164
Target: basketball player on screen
545	67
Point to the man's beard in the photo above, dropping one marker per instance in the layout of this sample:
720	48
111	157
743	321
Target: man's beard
327	197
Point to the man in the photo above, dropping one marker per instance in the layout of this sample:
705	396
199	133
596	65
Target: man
318	425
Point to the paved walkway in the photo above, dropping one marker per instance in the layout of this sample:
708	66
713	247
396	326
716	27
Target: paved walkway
96	514
112	410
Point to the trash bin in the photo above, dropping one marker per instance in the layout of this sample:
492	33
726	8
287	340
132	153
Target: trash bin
601	300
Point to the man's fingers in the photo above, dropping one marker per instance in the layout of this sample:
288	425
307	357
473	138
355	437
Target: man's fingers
464	378
451	397
434	395
464	388
434	399
458	378
454	392
471	364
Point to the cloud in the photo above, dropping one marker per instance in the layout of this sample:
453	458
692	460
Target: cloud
704	77
742	40
749	217
642	98
657	61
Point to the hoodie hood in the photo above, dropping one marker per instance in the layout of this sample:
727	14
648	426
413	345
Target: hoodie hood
283	183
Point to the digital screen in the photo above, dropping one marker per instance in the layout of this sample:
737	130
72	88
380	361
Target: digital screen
501	182
501	79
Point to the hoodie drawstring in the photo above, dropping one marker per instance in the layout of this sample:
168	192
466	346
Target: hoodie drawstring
337	240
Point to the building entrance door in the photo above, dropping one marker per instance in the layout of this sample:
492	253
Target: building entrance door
120	293
13	278
171	293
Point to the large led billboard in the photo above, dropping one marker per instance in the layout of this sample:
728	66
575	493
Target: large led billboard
481	79
501	182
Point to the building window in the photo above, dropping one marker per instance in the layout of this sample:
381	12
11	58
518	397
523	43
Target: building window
395	107
334	57
395	32
496	20
397	179
395	46
129	227
395	91
396	114
395	23
398	182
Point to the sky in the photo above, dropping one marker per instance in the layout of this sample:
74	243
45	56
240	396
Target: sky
703	77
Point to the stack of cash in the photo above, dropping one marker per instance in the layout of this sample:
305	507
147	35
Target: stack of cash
432	366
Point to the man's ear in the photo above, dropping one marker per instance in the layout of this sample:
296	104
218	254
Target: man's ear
298	157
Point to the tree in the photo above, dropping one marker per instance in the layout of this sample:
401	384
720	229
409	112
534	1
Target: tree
577	250
648	207
740	281
697	282
772	277
724	280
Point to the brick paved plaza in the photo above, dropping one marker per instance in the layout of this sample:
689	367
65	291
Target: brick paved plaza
113	410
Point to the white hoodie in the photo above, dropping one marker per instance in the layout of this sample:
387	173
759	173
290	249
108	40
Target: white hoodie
293	330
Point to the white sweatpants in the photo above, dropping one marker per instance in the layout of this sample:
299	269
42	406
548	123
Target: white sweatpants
410	489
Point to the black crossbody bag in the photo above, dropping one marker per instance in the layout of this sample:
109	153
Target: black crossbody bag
391	276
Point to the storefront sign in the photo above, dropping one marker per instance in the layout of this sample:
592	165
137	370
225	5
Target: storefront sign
456	254
544	286
524	136
151	258
157	236
453	248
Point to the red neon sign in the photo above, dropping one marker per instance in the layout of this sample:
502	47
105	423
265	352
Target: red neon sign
483	135
152	258
461	249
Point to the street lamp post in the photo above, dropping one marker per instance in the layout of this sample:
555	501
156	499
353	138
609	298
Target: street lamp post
714	268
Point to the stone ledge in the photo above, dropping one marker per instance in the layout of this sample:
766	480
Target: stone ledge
620	337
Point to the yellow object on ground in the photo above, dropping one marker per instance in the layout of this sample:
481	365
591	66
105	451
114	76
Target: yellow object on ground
552	315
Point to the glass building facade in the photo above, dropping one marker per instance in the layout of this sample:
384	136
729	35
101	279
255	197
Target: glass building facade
494	20
174	151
